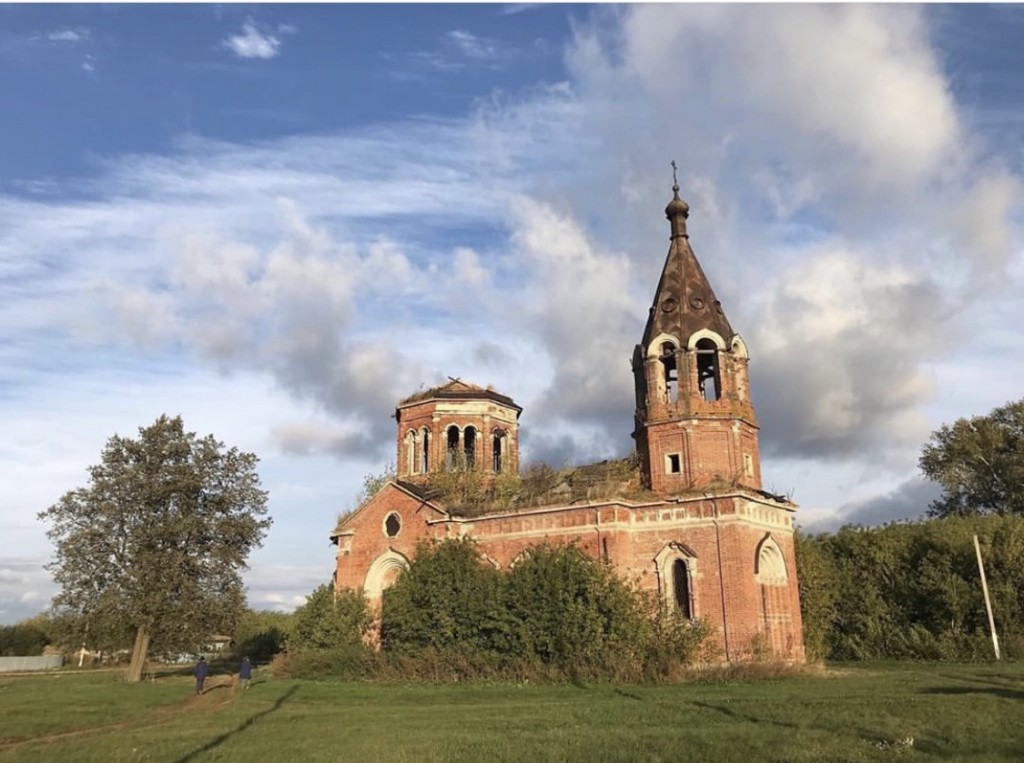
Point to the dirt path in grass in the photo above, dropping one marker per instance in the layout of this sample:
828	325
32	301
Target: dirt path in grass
223	692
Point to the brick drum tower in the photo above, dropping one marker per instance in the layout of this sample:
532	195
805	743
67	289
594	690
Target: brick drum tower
457	426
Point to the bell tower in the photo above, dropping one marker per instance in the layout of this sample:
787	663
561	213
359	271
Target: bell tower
694	425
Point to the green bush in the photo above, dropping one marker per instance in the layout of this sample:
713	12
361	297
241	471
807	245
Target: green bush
557	614
448	599
348	662
574	613
22	640
330	619
262	634
451	616
912	590
674	643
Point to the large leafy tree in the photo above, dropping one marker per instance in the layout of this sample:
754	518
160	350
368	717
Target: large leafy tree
979	463
157	540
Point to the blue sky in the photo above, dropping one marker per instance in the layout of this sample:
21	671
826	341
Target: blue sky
276	220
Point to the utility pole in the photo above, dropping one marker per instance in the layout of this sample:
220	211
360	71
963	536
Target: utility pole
988	602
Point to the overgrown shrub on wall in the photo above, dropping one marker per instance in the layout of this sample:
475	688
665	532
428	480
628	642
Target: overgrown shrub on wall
557	614
572	612
448	599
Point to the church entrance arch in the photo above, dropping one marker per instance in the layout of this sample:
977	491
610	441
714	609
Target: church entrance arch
383	573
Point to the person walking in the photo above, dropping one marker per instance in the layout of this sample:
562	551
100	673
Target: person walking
245	673
202	670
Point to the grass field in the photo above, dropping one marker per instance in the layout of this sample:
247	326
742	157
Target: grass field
951	712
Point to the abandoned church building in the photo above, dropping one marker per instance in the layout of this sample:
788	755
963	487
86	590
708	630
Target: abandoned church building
686	517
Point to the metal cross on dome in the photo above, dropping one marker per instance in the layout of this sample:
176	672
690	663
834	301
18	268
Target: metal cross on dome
674	181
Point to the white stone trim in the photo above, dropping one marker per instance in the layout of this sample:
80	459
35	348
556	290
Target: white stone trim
738	347
696	336
390	560
384	524
654	348
770	563
663	564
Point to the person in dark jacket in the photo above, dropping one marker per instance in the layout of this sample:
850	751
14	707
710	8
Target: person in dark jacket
245	673
202	670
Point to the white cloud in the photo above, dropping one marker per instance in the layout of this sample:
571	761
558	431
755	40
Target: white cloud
840	346
857	86
472	46
25	587
458	50
71	34
468	268
253	43
574	302
283	587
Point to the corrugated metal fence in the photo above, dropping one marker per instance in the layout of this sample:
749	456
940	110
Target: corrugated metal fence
12	664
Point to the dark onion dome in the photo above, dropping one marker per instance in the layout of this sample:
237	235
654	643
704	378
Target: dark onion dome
677	206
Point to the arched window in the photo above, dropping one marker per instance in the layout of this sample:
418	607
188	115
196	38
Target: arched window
410	452
681	588
708	377
670	371
498	450
469	446
770	568
676	567
426	450
451	462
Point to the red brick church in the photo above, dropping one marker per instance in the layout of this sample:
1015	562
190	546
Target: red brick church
694	525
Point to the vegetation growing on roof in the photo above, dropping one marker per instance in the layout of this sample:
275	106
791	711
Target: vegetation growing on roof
470	493
465	492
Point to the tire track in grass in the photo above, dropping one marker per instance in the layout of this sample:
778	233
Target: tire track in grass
157	716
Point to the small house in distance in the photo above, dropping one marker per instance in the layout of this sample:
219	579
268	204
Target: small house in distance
687	517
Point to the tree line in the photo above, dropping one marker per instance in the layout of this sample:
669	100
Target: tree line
912	590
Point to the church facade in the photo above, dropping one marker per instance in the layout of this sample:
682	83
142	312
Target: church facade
700	531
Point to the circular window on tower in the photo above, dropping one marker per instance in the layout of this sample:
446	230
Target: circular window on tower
392	525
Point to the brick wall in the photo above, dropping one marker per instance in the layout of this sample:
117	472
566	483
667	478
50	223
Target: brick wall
717	537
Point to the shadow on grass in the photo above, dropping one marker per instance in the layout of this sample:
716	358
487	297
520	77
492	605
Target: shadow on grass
995	691
218	741
629	695
214	687
742	716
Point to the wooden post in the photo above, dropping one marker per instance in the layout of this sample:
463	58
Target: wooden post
988	602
